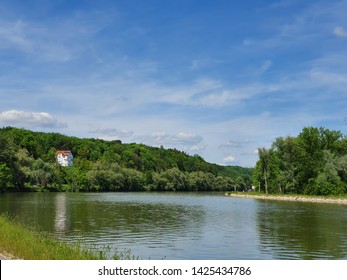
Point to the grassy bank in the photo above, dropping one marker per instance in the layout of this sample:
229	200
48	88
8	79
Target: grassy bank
20	242
292	197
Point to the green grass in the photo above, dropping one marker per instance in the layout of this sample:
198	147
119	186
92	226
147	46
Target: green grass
24	243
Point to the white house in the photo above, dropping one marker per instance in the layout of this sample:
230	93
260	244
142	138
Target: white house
64	158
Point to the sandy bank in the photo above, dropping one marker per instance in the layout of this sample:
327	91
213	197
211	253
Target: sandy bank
7	256
292	198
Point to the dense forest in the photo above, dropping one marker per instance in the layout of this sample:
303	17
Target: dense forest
313	163
28	163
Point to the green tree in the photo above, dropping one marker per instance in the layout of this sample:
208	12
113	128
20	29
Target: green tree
105	176
133	180
176	179
10	177
310	155
328	181
264	158
6	177
76	179
288	155
43	174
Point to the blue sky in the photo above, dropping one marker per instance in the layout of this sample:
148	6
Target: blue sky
216	78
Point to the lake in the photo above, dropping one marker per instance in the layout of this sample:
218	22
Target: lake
187	225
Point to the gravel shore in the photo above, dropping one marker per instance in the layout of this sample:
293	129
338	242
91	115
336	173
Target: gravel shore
292	198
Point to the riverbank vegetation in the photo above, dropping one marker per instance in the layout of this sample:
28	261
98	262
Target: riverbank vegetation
313	163
21	242
28	163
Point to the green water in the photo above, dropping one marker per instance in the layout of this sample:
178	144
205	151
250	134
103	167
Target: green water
187	225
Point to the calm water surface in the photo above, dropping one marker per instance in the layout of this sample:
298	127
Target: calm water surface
187	225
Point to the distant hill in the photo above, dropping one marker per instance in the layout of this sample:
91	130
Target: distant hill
28	163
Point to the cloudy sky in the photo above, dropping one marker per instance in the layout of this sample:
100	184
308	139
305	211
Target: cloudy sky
217	78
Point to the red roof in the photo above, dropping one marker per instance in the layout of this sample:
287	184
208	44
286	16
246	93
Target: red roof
64	153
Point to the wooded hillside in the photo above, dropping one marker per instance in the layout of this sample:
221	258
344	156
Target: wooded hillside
28	162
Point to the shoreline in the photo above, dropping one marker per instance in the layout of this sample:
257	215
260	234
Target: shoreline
291	198
47	247
7	256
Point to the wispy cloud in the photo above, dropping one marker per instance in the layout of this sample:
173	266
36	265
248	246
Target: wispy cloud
198	64
234	144
186	141
310	25
283	3
339	31
57	40
266	65
214	94
33	40
112	133
13	35
330	79
182	138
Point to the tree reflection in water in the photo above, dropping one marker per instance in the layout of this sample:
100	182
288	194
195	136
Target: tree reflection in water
297	230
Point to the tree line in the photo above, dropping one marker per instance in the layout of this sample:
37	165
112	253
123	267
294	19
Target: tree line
28	163
313	163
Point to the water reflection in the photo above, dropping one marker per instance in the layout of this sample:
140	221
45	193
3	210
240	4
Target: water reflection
34	209
143	226
299	230
61	218
151	226
131	217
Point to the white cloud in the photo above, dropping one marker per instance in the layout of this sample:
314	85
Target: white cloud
160	136
339	31
30	119
228	159
198	147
